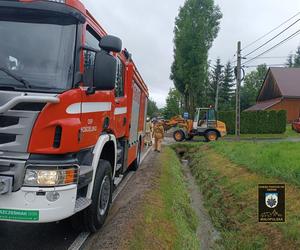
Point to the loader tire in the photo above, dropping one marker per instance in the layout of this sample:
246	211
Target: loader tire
179	136
211	136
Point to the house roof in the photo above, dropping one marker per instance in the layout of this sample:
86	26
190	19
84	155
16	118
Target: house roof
288	81
264	105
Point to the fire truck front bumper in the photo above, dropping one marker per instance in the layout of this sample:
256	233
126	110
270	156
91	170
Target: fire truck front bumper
38	205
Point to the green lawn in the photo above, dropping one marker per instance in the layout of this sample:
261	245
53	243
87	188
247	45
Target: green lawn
280	160
291	133
288	134
259	136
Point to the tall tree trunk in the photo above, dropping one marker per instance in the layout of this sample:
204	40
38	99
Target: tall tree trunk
186	102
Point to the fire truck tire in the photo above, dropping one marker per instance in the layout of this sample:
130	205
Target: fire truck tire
94	216
137	161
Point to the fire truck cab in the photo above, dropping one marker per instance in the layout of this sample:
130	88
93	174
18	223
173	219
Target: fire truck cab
72	113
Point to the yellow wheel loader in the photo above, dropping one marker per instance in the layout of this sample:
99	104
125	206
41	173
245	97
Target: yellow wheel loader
205	124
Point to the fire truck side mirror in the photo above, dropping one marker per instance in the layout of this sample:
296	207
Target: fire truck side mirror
111	44
105	71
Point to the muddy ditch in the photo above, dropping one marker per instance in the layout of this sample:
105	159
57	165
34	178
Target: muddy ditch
207	233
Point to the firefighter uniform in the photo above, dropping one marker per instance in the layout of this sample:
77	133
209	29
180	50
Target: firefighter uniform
158	134
148	131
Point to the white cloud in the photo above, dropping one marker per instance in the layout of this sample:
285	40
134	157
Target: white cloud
146	28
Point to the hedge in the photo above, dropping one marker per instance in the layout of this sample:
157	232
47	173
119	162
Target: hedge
256	122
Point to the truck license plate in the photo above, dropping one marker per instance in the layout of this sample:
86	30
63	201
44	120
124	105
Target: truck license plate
19	215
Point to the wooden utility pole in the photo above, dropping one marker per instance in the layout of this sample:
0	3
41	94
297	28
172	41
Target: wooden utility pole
218	82
238	88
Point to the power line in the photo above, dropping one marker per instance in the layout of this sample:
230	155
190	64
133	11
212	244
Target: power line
269	65
271	57
270	40
264	57
275	46
268	33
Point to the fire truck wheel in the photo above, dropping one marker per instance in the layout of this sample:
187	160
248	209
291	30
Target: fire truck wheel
179	136
94	216
137	161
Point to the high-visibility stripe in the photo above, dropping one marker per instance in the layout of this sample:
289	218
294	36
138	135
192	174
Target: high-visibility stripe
88	107
120	111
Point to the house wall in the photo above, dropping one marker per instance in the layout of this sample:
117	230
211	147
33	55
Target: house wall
292	106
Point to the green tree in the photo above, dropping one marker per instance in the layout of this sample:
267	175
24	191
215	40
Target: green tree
152	108
290	61
227	92
173	104
251	87
293	60
196	27
296	63
216	83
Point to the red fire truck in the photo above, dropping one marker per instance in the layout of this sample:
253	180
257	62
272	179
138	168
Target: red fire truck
72	113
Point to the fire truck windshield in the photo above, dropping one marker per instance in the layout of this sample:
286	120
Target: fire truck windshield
38	48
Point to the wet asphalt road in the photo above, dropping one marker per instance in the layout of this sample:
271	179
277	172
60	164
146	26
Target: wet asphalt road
15	236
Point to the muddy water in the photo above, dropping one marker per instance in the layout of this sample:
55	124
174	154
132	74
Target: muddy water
207	234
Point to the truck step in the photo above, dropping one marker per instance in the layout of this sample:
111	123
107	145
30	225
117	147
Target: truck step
118	180
82	203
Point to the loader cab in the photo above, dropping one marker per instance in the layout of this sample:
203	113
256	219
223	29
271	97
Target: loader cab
205	118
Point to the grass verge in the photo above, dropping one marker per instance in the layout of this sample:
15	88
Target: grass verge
230	192
167	220
289	133
281	160
259	136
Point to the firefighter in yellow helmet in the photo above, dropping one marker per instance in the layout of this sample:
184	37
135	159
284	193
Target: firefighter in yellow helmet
158	134
149	129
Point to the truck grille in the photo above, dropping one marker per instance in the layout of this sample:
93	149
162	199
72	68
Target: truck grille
6	121
7	138
15	130
29	106
16	124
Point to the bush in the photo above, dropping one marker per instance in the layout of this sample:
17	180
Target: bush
229	118
256	122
